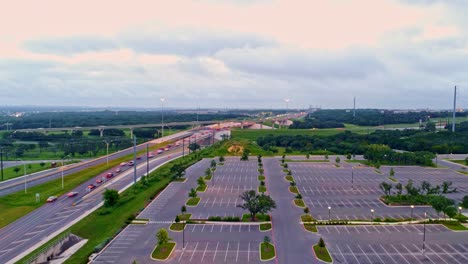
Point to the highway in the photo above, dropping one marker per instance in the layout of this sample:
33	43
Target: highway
17	184
22	236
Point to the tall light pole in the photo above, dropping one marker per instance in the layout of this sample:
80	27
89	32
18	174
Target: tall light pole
329	213
287	103
134	160
162	116
107	149
63	161
424	232
147	160
372	211
352	177
1	161
25	178
412	207
459	210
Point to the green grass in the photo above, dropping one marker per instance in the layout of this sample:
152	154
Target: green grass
267	251
208	178
377	171
299	203
461	162
185	217
261	178
293	189
289	178
261	189
258	218
265	227
162	252
9	173
177	227
46	245
463	172
307	218
454	225
193	201
322	254
201	188
180	179
103	224
311	228
392	179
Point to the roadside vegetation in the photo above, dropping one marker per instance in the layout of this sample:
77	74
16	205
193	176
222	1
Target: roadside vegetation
267	249
164	247
321	251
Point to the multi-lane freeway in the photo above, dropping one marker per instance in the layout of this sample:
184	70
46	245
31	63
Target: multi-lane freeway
27	233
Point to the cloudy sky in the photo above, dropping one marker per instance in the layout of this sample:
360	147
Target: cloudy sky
234	53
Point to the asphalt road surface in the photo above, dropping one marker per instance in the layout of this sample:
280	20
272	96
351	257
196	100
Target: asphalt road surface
26	232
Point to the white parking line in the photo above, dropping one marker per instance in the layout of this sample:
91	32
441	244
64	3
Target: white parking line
194	250
227	250
204	252
238	245
400	254
248	253
216	251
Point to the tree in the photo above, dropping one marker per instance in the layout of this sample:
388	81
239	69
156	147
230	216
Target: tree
337	160
464	203
399	188
326	156
221	158
193	193
425	187
410	189
307	156
177	170
194	147
111	197
450	211
285	166
201	181
255	203
392	172
306	210
16	169
430	127
163	237
386	187
440	203
266	241
446	187
177	219
245	156
183	209
348	156
208	172
466	161
213	164
321	243
42	164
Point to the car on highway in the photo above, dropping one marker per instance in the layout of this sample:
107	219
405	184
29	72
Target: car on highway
131	163
99	181
150	156
138	158
109	175
51	199
160	151
118	170
166	149
72	194
123	164
91	187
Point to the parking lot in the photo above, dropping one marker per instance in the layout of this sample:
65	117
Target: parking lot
395	244
344	193
236	243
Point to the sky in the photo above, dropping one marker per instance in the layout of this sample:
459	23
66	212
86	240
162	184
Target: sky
234	53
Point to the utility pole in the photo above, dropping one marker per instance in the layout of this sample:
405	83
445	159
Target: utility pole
162	116
147	161
183	147
354	111
1	161
134	160
454	108
107	149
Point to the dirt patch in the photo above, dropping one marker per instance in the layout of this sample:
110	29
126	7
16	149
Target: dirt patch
236	149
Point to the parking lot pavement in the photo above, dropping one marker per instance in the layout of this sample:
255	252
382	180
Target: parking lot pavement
399	253
385	229
214	243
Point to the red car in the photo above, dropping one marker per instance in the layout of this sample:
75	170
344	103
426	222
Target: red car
109	175
138	158
72	194
99	181
91	187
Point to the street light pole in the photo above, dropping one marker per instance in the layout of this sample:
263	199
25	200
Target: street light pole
352	177
459	210
63	159
329	213
162	116
134	160
372	211
1	161
412	207
25	178
147	161
424	233
183	236
107	148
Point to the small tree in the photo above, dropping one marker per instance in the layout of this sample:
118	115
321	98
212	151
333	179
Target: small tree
464	203
399	188
111	197
245	156
307	156
42	164
326	156
348	156
201	181
193	193
194	147
183	209
321	243
306	210
177	219
298	196
262	183
293	183
285	166
337	160
392	172
221	158
163	237
213	164
16	169
386	187
450	211
466	161
266	241
207	172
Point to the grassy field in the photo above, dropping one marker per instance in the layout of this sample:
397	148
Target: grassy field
461	162
322	254
162	252
267	251
16	205
9	173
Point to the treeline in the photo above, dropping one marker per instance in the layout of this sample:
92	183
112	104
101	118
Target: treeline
367	117
347	142
105	118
